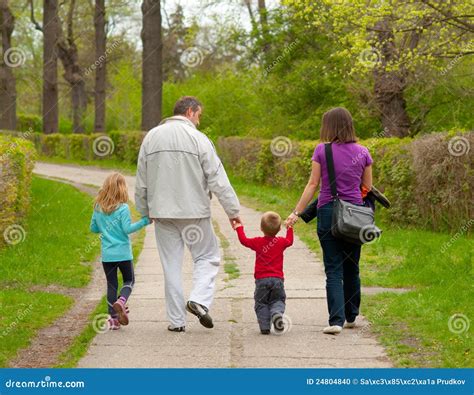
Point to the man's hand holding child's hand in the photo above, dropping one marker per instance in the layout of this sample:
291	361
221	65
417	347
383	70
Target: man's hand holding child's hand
236	223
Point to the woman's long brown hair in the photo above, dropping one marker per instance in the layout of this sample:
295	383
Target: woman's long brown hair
337	126
113	193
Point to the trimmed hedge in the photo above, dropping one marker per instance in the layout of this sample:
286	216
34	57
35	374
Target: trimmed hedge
122	146
429	183
17	158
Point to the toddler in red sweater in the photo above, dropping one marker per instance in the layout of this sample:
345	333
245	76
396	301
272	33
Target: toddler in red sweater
269	279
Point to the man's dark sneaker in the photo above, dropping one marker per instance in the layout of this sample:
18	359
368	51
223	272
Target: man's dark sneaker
278	323
201	312
176	329
265	331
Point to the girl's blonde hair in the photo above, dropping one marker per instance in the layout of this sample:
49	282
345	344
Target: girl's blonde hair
113	193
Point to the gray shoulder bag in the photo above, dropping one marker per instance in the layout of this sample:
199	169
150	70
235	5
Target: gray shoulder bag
350	222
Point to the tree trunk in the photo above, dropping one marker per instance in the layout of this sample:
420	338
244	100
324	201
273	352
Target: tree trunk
68	53
389	86
152	74
100	71
50	67
7	79
262	10
389	96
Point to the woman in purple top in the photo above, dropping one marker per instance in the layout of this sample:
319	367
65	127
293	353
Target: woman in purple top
353	168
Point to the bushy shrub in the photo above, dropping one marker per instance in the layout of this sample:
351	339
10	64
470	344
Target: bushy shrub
429	180
17	156
29	122
123	146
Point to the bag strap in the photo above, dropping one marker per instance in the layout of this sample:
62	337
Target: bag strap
331	172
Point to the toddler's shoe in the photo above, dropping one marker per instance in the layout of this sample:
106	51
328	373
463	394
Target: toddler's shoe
113	324
265	331
278	323
121	310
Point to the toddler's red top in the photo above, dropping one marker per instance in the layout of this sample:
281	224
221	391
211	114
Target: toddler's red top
269	252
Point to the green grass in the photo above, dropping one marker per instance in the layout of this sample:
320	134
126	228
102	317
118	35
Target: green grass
232	269
57	249
22	314
413	326
230	266
58	246
70	357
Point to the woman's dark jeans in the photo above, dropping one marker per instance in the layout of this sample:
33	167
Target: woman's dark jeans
341	264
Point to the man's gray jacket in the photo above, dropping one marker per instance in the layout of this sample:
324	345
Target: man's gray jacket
178	169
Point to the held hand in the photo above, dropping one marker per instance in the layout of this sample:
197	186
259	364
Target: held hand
291	220
235	222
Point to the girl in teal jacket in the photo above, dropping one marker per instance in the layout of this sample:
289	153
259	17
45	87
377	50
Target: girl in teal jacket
111	218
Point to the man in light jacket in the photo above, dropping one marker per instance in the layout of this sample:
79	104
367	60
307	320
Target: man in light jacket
178	171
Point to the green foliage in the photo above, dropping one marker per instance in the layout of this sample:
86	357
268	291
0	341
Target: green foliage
29	122
17	156
427	185
125	146
124	99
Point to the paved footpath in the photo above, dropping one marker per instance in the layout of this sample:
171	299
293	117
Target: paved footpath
235	340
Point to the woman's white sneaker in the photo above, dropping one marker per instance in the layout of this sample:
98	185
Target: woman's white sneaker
350	324
332	330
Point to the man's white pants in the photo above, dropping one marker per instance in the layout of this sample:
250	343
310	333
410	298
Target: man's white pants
198	235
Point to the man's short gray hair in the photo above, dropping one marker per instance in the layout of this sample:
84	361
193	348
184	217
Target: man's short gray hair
186	102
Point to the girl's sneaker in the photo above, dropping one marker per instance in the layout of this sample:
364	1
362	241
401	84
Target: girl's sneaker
121	310
114	324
